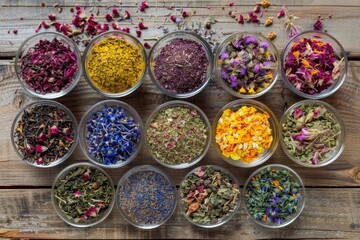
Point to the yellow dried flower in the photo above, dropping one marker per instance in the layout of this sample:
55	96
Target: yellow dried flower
269	21
271	35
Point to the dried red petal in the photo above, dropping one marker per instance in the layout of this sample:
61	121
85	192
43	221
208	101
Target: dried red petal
138	33
40	148
115	12
125	29
143	6
51	17
108	17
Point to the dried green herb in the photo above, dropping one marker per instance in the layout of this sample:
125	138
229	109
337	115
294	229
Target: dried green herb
84	193
310	133
272	195
209	195
177	135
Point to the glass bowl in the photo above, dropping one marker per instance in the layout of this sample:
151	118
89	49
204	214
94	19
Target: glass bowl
268	150
104	160
165	41
36	144
271	203
339	53
117	35
29	44
306	133
214	186
147	185
202	143
267	68
85	173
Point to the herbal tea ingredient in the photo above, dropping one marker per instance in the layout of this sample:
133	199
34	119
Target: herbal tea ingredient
311	66
83	194
208	195
181	66
272	196
147	197
115	65
246	65
44	134
177	135
49	66
243	135
310	133
112	135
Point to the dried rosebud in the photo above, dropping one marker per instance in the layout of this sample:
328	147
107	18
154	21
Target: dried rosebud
40	149
21	18
125	29
51	17
38	28
77	7
43	4
15	31
231	4
143	6
147	45
54	130
8	31
138	33
318	25
240	19
232	14
298	113
185	14
86	177
108	17
257	8
173	18
271	35
30	149
142	26
269	21
91	211
67	139
72	9
115	12
77	193
105	26
127	14
115	26
281	13
39	161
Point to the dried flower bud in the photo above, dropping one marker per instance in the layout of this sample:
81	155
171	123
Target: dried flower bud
257	8
240	19
185	14
127	15
15	31
271	35
108	17
67	139
40	149
43	4
138	33
115	12
39	161
51	17
86	177
231	4
77	7
54	130
142	26
232	14
143	6
45	24
265	3
77	193
125	29
30	148
147	45
72	9
281	13
269	21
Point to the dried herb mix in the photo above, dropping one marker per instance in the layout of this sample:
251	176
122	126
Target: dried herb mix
181	66
272	195
246	65
147	197
243	135
177	135
114	65
49	66
311	66
310	133
209	195
83	194
112	135
44	134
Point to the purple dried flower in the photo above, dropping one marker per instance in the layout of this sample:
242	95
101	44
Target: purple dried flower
224	56
250	39
298	113
264	45
318	25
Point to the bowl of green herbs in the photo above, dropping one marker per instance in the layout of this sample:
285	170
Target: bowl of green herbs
312	133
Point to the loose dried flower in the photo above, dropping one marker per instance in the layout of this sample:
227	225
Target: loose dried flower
127	15
231	4
318	26
142	26
257	8
147	45
269	21
143	6
240	19
138	33
265	3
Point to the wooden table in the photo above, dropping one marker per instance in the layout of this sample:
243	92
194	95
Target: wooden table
333	206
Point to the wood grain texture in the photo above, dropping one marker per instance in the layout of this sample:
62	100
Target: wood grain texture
343	172
29	214
343	24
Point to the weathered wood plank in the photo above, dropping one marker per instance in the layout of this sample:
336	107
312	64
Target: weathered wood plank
344	16
344	172
29	214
